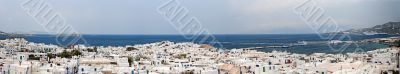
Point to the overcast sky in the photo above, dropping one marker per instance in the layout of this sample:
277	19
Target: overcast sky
217	16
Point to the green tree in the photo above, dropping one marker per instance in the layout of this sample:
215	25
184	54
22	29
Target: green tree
76	52
188	72
49	55
32	57
396	72
65	54
95	49
131	48
92	49
137	59
130	61
181	56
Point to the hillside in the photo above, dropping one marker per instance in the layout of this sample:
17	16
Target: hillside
391	28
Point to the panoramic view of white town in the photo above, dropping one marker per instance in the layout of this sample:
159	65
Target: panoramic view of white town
199	37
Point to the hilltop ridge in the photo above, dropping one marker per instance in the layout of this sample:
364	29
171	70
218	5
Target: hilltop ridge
391	28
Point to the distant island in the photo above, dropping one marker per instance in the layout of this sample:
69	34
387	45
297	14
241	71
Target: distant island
11	35
389	28
2	33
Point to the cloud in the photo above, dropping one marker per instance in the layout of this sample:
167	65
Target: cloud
262	6
267	16
222	17
278	14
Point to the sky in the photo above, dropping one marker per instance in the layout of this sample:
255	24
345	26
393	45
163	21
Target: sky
216	16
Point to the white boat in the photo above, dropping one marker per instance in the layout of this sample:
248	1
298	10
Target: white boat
301	43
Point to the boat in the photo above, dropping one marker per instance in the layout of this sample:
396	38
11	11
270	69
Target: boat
301	43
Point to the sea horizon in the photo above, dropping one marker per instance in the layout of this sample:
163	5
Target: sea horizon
228	41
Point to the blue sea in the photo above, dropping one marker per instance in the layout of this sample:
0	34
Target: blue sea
315	44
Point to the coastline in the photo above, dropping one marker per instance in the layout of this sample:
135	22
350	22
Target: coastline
315	44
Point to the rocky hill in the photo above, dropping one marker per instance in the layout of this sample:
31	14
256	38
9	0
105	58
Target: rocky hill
11	35
391	28
2	33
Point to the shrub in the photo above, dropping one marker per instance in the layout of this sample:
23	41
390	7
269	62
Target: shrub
131	48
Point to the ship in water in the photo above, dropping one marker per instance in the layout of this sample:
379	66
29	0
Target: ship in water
300	43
